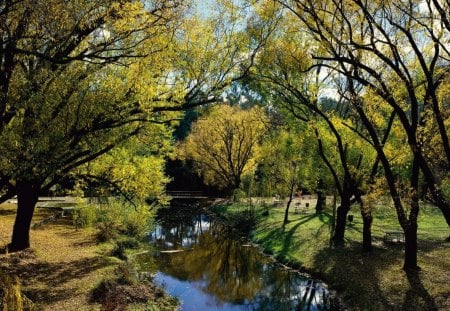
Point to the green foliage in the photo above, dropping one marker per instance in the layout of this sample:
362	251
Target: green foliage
115	218
122	245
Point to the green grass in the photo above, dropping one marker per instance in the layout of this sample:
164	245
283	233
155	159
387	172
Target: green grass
364	281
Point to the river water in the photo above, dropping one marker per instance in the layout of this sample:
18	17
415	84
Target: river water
210	267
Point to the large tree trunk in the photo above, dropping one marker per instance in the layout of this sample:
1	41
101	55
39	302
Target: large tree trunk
321	197
341	220
366	214
410	260
27	196
410	229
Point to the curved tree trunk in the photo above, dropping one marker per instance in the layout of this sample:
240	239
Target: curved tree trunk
27	196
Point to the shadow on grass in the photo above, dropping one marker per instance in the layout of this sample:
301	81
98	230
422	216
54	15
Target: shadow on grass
354	275
417	295
51	277
7	212
358	277
284	240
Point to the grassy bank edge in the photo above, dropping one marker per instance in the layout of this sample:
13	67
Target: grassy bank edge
363	281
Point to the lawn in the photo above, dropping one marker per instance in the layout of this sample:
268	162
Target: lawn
364	281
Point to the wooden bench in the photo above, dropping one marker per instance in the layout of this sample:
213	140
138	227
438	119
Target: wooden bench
299	209
394	237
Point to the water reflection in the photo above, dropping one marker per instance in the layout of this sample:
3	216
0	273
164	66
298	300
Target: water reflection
208	268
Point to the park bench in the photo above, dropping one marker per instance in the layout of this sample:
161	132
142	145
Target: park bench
394	237
299	209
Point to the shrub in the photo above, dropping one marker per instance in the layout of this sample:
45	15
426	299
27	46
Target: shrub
122	245
137	221
86	216
112	218
11	297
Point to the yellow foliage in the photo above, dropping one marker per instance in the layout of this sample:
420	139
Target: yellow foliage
10	295
224	144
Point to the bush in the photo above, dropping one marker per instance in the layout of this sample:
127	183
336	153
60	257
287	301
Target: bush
106	232
113	218
85	216
11	297
137	221
122	245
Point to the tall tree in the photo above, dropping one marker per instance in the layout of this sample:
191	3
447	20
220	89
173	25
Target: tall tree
396	51
224	144
283	70
80	78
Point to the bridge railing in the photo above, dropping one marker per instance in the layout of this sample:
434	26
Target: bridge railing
186	194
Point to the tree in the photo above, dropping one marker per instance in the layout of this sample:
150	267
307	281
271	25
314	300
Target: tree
224	144
282	162
80	78
297	92
397	52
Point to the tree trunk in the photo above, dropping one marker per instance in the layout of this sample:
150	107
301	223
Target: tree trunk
410	230
286	212
341	221
321	197
27	196
410	261
366	214
367	230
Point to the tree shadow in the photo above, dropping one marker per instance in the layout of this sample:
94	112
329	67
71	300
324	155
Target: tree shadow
352	274
416	293
51	277
286	235
7	212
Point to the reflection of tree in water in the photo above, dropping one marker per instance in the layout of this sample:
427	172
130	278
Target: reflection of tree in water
222	267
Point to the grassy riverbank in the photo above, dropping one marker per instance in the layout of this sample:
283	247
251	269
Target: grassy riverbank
373	281
66	264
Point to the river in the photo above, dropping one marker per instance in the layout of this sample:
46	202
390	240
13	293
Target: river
210	267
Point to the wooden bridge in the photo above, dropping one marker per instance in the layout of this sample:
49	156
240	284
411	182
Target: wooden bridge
186	195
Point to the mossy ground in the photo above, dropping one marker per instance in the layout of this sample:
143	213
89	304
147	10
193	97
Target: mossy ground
364	281
64	264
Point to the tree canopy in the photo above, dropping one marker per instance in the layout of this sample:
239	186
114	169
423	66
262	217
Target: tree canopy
224	144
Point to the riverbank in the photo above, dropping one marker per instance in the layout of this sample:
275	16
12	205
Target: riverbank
364	281
65	265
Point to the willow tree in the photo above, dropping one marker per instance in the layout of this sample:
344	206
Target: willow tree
297	92
80	78
224	144
397	52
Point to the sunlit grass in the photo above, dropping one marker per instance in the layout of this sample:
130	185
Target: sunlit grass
372	281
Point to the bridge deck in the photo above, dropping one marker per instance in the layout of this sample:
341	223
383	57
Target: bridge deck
186	195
